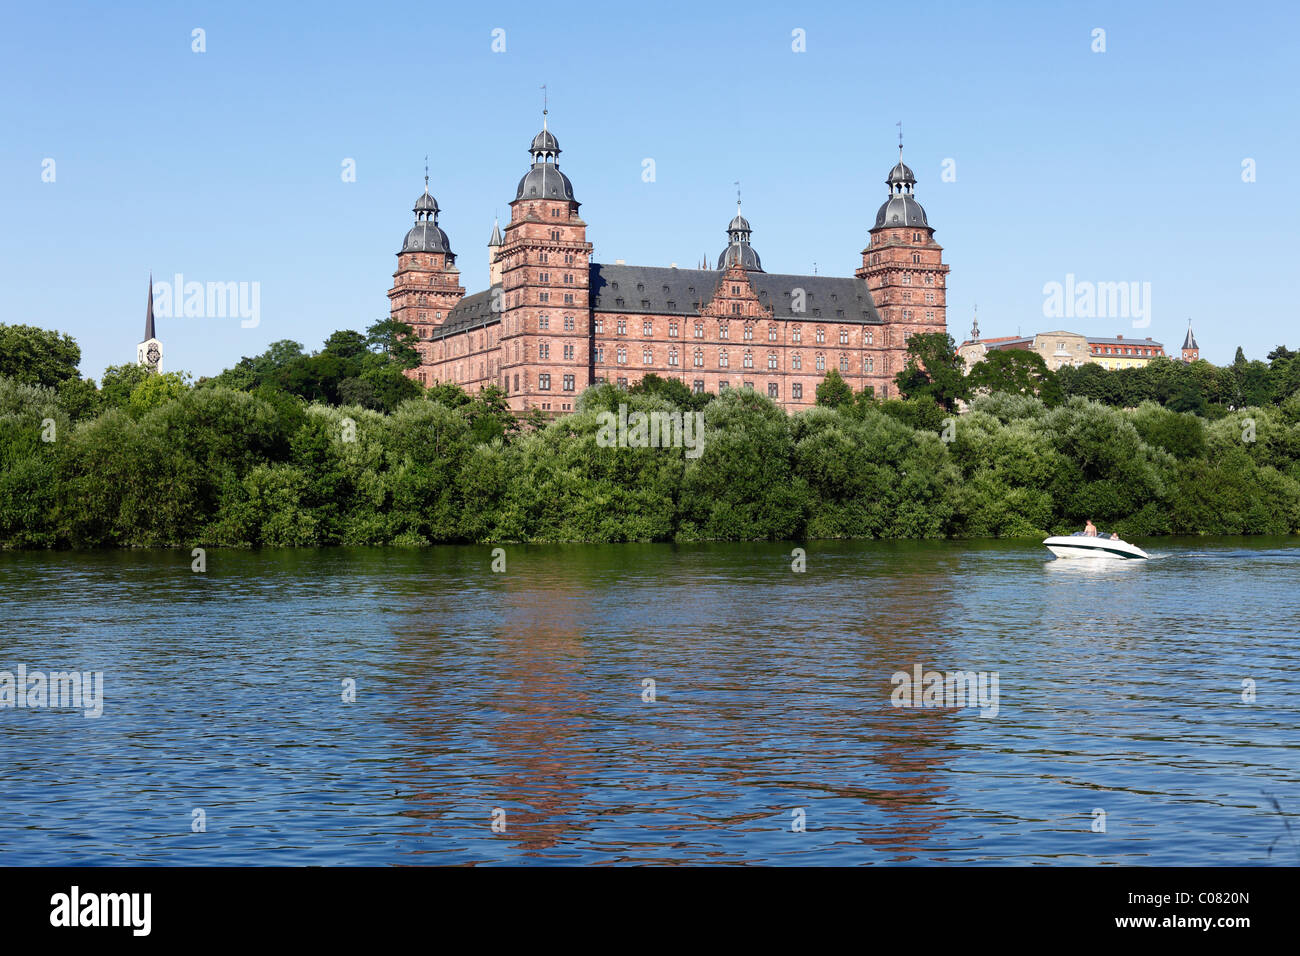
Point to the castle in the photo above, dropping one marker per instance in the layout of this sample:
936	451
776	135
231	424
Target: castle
555	321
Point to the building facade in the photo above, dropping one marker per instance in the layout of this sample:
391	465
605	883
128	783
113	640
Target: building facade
555	321
1060	349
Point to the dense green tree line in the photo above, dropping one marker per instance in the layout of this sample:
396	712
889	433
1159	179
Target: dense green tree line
263	455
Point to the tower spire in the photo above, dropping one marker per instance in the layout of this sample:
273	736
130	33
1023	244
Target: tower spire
148	315
426	172
545	109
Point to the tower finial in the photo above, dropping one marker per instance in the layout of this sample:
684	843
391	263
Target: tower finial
545	109
426	172
737	185
899	124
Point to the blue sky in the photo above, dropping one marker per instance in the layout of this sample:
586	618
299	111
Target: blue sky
226	165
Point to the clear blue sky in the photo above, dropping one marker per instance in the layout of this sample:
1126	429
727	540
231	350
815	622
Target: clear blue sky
225	166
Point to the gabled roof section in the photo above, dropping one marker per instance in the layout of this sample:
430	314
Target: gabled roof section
660	291
472	312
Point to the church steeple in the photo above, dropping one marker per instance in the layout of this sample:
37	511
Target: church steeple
149	352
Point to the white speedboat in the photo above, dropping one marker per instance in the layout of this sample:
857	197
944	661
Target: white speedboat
1080	545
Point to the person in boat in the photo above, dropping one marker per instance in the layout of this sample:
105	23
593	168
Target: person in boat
1114	536
1090	529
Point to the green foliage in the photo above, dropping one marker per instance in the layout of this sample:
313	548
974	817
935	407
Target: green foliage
833	391
934	370
34	356
1016	372
341	447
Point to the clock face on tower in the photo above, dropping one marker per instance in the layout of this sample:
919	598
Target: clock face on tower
153	355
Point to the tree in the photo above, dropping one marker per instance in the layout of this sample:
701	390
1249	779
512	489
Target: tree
833	391
934	370
1016	372
36	356
395	339
119	382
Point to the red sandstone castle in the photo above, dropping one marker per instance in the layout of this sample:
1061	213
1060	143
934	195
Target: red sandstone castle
555	321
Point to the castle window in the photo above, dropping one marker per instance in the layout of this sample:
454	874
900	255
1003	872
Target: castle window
869	337
796	390
749	360
568	383
544	297
699	358
929	298
844	362
907	315
907	278
568	351
821	335
771	360
544	382
723	331
543	321
516	381
868	365
735	308
544	350
600	353
796	334
723	386
773	390
672	330
672	356
568	298
622	325
916	237
568	278
647	356
929	279
600	325
568	323
647	327
724	361
844	336
821	362
771	333
907	297
543	277
671	305
699	330
735	290
796	361
622	355
645	303
929	316
542	258
749	332
698	386
916	258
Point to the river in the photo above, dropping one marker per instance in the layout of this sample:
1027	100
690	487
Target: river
655	703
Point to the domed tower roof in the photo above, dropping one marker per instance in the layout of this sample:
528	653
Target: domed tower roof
426	235
544	180
738	248
901	208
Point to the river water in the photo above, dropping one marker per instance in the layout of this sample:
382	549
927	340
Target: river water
507	717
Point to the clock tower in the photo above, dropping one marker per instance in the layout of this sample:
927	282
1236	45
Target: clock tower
149	352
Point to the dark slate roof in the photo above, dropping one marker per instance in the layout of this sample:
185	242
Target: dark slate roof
544	181
901	211
654	290
545	141
426	203
148	315
1190	341
1144	343
901	174
472	312
743	251
426	236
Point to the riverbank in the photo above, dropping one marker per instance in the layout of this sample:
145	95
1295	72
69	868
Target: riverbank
217	467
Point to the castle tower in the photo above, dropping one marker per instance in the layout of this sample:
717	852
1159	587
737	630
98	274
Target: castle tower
903	267
494	253
1191	351
426	284
149	352
546	335
739	251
